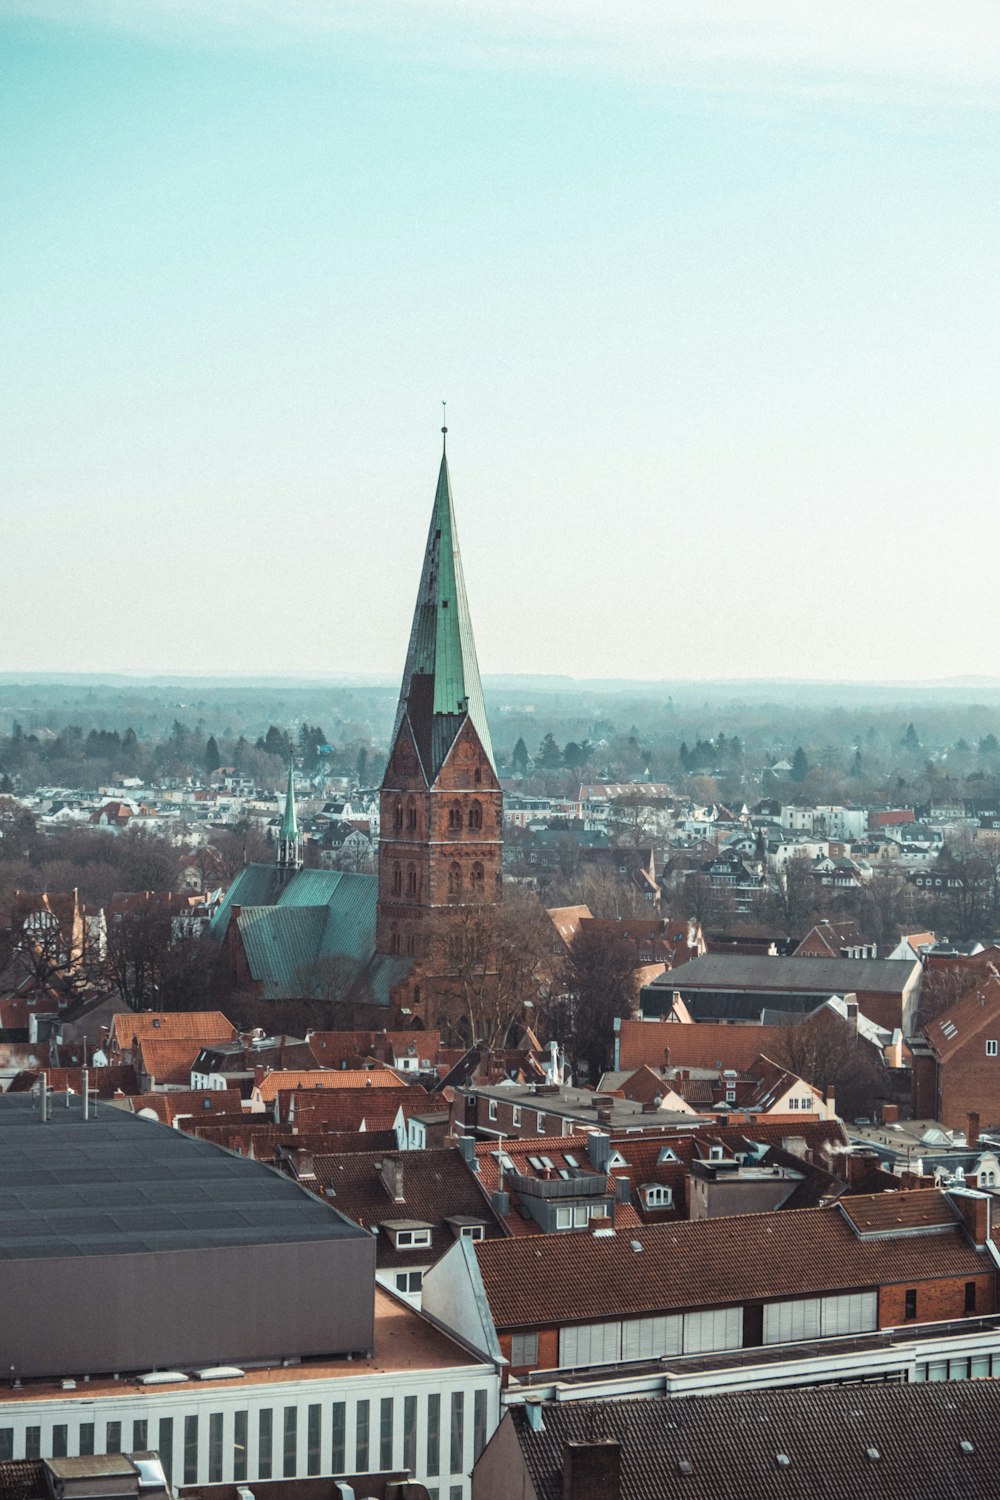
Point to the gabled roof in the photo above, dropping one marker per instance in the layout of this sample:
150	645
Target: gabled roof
441	682
955	1027
437	1186
325	1078
551	1279
203	1026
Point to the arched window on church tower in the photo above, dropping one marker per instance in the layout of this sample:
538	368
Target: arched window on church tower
477	879
478	777
476	815
454	817
454	879
397	815
411	944
411	880
394	940
411	815
397	880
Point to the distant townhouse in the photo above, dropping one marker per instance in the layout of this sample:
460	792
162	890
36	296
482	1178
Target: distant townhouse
956	1062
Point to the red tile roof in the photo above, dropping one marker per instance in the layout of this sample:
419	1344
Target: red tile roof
203	1026
328	1078
550	1279
974	1013
698	1045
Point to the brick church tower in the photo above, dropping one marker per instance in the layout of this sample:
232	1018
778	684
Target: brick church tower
441	809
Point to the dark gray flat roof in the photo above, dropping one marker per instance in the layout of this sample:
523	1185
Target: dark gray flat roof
832	976
119	1184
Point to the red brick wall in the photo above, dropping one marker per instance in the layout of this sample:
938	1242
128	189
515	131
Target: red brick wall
937	1301
435	845
970	1080
924	1086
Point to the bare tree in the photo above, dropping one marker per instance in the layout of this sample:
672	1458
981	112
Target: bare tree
598	984
137	944
496	958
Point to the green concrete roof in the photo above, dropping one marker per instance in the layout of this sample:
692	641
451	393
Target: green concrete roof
441	682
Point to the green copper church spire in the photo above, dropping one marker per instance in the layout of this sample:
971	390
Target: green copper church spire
441	682
289	823
287	857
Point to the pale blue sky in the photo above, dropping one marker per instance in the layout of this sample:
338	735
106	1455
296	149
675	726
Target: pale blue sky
711	289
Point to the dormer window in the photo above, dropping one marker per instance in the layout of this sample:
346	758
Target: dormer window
657	1196
473	1231
412	1239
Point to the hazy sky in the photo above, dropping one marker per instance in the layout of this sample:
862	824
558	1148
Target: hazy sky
711	290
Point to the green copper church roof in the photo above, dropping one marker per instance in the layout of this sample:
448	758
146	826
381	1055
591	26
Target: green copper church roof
289	822
441	682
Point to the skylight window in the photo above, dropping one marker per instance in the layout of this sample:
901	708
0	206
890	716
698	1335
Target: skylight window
570	1161
537	1163
948	1029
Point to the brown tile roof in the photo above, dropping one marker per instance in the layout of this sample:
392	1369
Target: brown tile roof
549	1279
118	1079
698	1045
330	1078
974	1013
199	1103
729	1444
892	1213
168	1061
518	1150
436	1185
347	1109
203	1026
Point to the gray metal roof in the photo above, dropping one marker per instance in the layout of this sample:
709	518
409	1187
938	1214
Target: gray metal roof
118	1184
831	976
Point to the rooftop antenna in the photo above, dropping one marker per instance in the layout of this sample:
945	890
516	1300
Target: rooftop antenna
444	426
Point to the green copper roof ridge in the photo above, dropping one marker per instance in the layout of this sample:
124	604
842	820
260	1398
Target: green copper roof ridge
289	822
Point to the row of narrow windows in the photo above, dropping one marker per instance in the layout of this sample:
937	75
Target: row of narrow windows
477	879
406	816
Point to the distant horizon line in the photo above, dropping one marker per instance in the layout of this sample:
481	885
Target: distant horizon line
380	679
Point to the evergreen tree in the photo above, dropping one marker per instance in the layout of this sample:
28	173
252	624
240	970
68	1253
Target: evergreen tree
519	759
572	756
910	741
213	760
362	765
549	755
684	757
855	770
988	745
800	766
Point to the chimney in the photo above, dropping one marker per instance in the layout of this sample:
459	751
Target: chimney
467	1146
592	1470
975	1210
598	1150
390	1169
972	1128
890	1114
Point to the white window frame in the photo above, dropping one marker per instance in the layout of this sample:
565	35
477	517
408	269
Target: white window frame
492	1109
409	1283
473	1232
413	1239
540	1122
659	1197
515	1114
992	1048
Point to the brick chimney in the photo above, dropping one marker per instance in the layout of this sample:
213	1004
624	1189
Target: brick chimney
975	1210
592	1470
972	1128
390	1169
890	1114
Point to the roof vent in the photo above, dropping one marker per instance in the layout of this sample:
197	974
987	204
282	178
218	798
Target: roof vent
873	1454
782	1460
966	1446
685	1466
636	1245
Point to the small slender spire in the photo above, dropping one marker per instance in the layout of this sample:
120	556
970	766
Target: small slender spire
287	858
444	428
289	823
